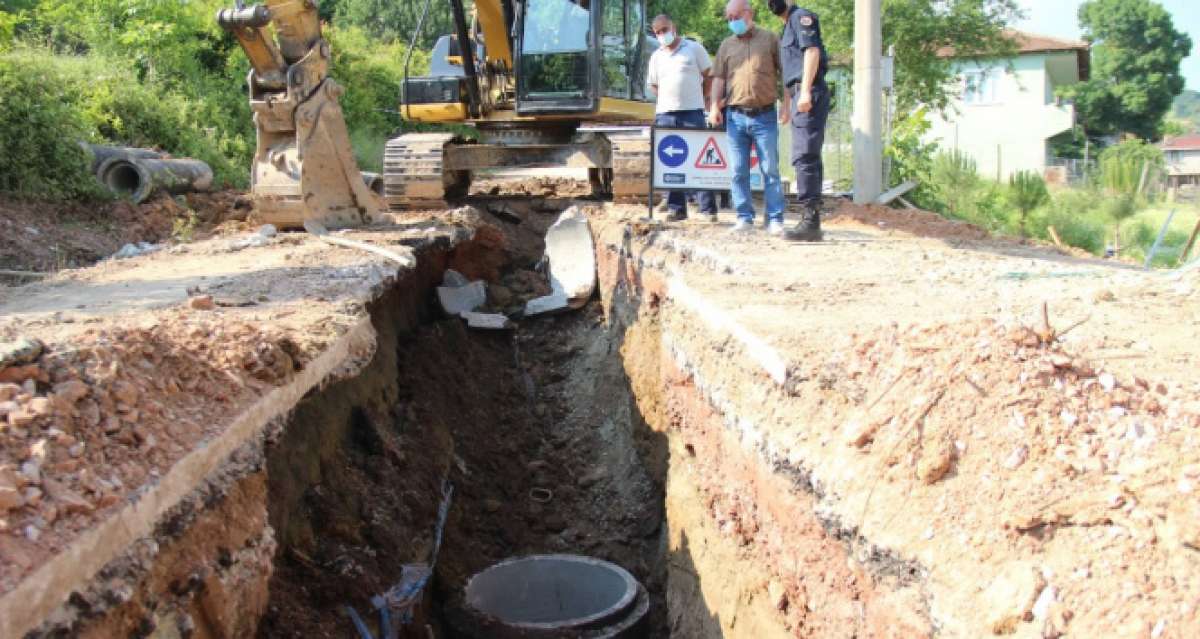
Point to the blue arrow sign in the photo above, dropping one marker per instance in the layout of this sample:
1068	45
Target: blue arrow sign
673	151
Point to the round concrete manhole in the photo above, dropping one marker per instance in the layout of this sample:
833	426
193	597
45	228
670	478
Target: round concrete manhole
557	595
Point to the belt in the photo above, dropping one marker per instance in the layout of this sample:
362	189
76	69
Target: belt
752	111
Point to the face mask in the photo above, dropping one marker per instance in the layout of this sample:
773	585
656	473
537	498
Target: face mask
778	7
667	39
738	27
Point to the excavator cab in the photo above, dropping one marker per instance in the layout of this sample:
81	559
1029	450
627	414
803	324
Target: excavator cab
539	70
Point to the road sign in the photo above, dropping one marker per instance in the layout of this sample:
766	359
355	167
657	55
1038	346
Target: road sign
673	151
696	160
710	157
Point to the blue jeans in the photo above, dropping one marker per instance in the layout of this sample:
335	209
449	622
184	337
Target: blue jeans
677	200
761	131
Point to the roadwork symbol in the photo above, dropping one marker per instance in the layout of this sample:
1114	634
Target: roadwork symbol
711	157
673	151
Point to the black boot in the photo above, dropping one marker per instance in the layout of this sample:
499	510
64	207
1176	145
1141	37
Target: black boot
809	228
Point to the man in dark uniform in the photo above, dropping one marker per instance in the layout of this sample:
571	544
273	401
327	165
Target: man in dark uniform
805	63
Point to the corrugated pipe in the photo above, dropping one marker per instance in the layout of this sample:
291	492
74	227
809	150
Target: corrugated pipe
374	181
139	178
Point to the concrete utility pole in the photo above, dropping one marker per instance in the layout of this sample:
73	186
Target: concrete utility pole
868	101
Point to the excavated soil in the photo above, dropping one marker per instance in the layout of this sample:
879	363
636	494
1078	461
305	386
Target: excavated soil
44	237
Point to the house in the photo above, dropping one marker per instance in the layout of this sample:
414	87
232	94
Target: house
1006	110
1182	155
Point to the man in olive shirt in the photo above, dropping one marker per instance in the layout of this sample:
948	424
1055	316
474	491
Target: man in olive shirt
746	78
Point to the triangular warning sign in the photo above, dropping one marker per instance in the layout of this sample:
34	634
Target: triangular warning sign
711	157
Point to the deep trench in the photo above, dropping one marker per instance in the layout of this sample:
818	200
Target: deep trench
538	431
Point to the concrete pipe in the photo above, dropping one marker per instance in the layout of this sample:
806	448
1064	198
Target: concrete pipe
556	596
374	181
101	153
138	179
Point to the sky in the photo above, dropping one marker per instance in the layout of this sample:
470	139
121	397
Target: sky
1060	18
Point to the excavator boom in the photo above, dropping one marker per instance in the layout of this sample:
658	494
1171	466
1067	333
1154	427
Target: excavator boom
304	167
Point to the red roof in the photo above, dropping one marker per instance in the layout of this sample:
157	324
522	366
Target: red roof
1036	43
1182	143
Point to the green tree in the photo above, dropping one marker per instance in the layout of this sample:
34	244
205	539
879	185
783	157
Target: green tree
1027	191
1135	67
393	21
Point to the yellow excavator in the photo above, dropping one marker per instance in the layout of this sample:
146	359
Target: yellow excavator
545	83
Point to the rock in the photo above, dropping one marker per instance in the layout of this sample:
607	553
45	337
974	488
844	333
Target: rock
8	407
66	498
454	279
1041	607
33	495
21	418
135	250
463	299
590	479
89	412
488	321
20	351
268	230
41	406
12	552
1010	597
777	595
125	393
554	523
10	499
1108	382
936	461
1017	457
31	472
22	374
70	392
501	296
1104	295
9	392
202	303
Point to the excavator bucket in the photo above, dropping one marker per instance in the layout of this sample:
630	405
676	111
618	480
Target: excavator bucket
304	167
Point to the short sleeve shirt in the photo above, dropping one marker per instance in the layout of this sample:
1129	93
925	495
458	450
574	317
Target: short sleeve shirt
751	69
801	32
679	76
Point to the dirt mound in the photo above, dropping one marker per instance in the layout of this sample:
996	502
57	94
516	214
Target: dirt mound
915	222
83	428
44	237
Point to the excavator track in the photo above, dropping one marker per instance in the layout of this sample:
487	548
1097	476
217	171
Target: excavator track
413	175
631	167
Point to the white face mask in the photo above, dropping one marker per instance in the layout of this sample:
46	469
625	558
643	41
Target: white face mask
667	39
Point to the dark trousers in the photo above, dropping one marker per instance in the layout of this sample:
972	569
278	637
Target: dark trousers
808	136
677	200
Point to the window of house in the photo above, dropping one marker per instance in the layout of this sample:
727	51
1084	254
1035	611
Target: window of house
979	87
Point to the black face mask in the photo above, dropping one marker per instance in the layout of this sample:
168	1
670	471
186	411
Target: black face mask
778	7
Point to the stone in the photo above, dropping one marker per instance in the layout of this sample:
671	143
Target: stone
31	472
935	462
68	393
89	412
33	495
66	498
202	303
488	321
454	279
125	393
463	299
553	303
9	392
22	374
1108	382
268	230
41	406
20	351
501	296
8	407
1009	599
21	418
10	499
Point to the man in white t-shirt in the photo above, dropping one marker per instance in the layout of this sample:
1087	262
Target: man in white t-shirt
680	74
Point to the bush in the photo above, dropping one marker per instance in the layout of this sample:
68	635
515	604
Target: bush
1027	191
41	127
955	177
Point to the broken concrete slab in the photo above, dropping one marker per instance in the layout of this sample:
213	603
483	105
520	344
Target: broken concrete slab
454	279
488	321
571	253
463	299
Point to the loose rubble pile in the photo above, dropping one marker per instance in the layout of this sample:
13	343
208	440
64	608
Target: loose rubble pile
82	429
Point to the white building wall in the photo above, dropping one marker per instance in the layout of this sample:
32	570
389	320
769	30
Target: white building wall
1183	162
1006	129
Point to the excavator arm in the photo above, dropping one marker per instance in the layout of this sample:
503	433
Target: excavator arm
304	167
